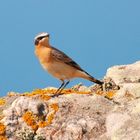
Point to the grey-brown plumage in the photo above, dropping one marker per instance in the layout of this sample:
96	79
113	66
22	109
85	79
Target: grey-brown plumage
61	56
58	63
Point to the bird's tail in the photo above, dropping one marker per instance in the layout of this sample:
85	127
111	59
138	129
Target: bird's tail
91	78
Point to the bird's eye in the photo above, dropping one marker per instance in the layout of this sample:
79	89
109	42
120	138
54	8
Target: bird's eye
40	38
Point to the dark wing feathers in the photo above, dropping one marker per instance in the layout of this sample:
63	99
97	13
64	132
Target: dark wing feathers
60	56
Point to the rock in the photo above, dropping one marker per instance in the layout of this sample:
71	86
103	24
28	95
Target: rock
128	92
14	115
22	104
78	116
81	113
125	73
111	124
129	131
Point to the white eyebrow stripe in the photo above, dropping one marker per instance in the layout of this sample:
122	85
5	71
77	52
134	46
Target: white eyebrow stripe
41	35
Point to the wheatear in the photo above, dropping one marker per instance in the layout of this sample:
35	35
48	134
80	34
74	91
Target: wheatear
58	63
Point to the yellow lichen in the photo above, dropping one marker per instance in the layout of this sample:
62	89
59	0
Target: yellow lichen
2	101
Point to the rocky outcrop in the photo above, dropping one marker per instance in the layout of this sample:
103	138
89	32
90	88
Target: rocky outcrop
125	73
110	112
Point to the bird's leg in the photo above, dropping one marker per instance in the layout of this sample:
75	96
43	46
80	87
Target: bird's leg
63	87
60	89
63	83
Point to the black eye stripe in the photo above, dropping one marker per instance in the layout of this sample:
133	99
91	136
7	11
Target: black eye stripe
39	38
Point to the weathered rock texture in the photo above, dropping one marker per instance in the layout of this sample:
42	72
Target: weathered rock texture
125	73
83	113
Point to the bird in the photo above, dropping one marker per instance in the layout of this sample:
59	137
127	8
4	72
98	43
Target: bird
58	64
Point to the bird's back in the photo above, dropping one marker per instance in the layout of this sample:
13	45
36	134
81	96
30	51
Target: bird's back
62	57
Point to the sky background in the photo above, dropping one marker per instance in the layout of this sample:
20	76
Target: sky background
97	34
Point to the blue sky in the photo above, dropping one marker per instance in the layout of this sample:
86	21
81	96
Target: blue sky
97	34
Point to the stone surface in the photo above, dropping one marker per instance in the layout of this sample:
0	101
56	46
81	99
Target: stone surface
78	117
82	113
125	73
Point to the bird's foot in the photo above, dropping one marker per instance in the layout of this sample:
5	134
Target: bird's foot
56	95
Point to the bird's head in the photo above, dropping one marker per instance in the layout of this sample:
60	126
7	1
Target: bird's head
42	38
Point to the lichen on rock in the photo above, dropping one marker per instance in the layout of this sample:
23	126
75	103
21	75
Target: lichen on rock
80	113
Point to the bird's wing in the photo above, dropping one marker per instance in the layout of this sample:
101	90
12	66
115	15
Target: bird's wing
60	56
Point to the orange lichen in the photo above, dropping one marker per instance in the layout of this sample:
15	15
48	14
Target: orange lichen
39	92
43	91
71	91
44	94
110	94
83	92
54	106
2	129
2	132
38	122
45	97
99	92
42	124
2	101
34	127
31	120
67	91
3	138
50	118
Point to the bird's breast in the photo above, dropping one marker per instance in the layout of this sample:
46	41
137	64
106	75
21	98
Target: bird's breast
43	54
58	69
